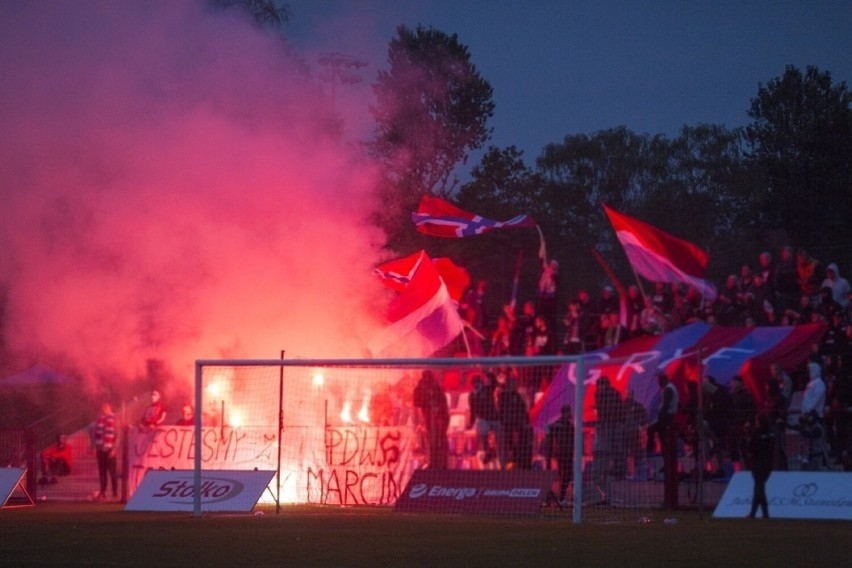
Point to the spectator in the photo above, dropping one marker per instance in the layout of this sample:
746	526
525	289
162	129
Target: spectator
652	320
744	411
634	306
541	341
473	306
827	306
547	287
187	416
559	445
662	297
104	443
587	320
615	332
727	302
767	270
813	399
430	399
835	340
775	408
515	422
155	413
786	282
635	420
762	308
811	428
720	417
785	383
608	449
839	286
501	338
572	341
808	271
484	415
761	443
669	401
56	460
802	313
608	303
523	329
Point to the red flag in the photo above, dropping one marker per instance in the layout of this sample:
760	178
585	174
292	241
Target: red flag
659	256
422	318
396	274
440	218
455	277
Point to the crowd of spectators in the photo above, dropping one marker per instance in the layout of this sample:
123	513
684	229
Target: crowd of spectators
796	289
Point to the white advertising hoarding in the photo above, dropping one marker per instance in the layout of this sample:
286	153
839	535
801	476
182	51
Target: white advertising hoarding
792	495
221	490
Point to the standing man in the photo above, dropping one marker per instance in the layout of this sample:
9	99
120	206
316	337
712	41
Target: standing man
484	415
429	397
813	398
761	446
104	436
669	401
559	445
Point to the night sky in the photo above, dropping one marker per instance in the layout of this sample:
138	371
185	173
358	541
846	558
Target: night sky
566	67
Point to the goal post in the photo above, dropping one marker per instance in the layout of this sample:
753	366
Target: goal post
349	432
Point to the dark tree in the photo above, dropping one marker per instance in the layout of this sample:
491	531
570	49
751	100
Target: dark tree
801	143
701	190
264	12
582	172
431	110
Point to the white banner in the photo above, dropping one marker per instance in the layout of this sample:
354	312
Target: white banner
792	495
221	491
345	465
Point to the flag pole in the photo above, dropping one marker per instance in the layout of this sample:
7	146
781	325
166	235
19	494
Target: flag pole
517	277
542	247
465	326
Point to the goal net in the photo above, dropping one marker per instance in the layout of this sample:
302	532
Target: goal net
356	432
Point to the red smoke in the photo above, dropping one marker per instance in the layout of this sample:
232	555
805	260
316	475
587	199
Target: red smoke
171	191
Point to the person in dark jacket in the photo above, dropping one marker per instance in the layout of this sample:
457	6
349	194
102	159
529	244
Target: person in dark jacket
761	447
559	446
429	397
515	422
484	415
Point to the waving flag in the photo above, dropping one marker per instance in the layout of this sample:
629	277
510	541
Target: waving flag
660	257
396	274
423	317
440	218
723	351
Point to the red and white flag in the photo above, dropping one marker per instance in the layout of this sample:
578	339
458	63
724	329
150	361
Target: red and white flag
396	274
659	256
440	218
423	318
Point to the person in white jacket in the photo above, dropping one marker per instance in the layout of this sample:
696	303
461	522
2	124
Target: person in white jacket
839	286
814	396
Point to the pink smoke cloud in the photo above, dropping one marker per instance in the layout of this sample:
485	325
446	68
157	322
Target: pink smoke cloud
170	192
